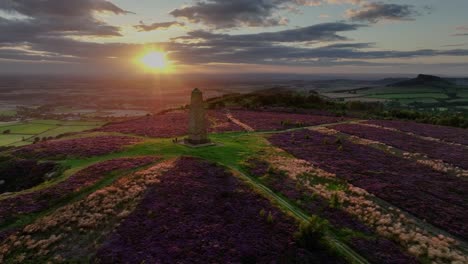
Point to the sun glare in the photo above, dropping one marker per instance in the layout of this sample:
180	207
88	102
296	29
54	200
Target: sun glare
155	61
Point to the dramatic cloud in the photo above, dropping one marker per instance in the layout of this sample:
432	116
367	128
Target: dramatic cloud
43	30
256	13
47	18
374	12
321	32
157	26
230	14
288	47
35	8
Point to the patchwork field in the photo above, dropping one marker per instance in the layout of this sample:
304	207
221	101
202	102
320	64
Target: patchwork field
276	188
424	91
24	132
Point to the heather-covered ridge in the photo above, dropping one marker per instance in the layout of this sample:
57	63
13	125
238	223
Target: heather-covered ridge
72	233
305	183
222	220
271	172
80	147
220	122
437	165
292	177
12	208
265	120
172	124
437	198
162	125
452	154
175	124
445	133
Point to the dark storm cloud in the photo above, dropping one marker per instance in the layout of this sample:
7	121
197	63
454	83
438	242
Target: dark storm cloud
81	50
16	30
230	14
157	26
24	55
321	32
55	18
35	8
374	12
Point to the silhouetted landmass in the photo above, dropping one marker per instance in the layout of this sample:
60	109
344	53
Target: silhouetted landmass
423	80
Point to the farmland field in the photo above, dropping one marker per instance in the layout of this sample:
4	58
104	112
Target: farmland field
29	129
423	92
409	96
24	132
10	139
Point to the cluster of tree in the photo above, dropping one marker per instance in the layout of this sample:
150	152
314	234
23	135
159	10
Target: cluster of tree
268	98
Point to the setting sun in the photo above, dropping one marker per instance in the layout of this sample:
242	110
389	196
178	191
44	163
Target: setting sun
155	60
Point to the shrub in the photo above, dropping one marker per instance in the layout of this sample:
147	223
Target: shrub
311	233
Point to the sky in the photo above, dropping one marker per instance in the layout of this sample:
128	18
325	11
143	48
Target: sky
235	36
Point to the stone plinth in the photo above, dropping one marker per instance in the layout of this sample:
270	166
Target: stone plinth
198	134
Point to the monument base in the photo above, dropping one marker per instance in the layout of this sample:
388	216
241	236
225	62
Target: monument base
197	143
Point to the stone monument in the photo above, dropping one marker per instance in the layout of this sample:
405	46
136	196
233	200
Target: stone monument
197	121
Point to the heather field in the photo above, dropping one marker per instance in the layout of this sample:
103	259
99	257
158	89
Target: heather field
22	133
82	147
12	208
449	134
172	124
222	220
437	198
452	154
263	120
262	194
166	125
360	237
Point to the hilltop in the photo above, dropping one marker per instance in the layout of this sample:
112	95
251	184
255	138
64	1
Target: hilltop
290	179
424	81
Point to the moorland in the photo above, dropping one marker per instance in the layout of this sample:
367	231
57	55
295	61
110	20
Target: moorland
293	177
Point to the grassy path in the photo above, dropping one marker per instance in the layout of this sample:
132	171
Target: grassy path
332	241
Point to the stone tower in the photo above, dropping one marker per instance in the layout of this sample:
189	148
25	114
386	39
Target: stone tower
197	120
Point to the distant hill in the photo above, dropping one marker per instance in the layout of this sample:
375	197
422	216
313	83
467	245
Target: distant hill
423	80
388	81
